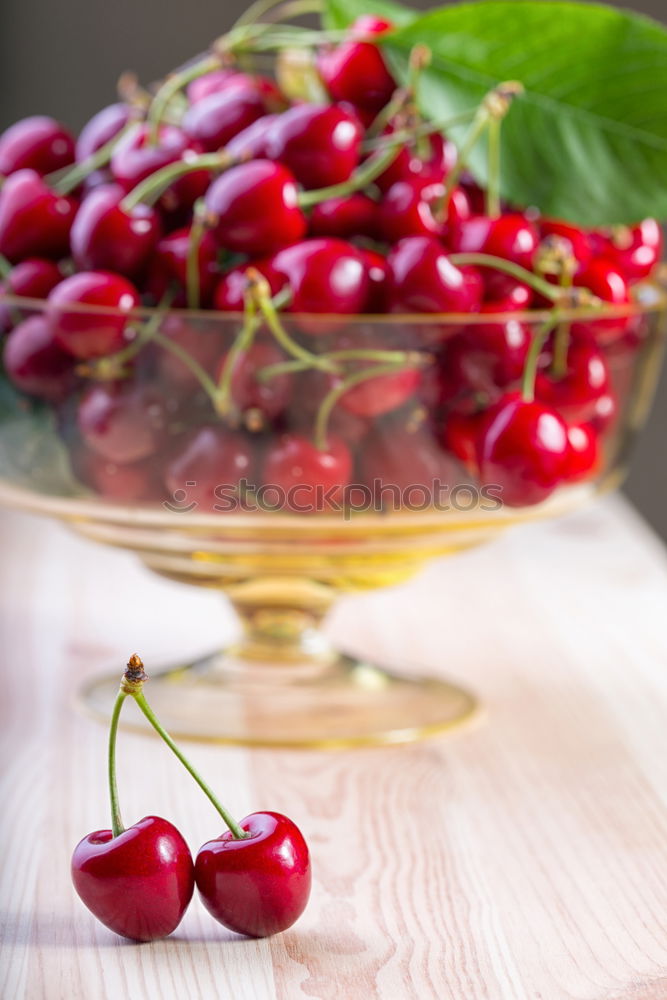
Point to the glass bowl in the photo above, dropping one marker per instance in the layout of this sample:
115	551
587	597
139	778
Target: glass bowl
133	453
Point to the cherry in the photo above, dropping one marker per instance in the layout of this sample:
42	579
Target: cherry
578	239
310	389
586	380
404	466
34	220
202	341
139	883
222	79
230	291
135	157
517	298
255	207
355	71
460	435
382	394
267	399
430	165
89	333
31	279
171	257
309	479
344	217
217	118
636	250
320	144
209	83
585	453
423	279
523	449
369	24
132	482
37	143
407	209
258	885
489	356
101	129
122	421
606	412
251	142
606	282
376	269
35	363
512	237
207	468
106	237
324	276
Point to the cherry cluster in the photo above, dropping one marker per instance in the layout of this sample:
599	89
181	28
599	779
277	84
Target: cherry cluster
302	218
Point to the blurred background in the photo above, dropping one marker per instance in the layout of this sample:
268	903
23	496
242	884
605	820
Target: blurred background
63	59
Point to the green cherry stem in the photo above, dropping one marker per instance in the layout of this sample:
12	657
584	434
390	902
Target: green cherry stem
149	190
111	366
223	401
206	382
172	85
551	292
71	180
132	684
287	367
197	232
364	175
533	357
116	818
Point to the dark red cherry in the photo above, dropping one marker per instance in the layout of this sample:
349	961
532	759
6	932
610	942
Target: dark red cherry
320	144
31	279
171	256
324	276
101	129
355	71
523	449
585	452
345	217
230	290
135	157
37	143
423	279
489	356
429	159
511	237
251	142
35	363
409	209
138	884
517	298
208	468
460	435
306	479
104	237
605	281
91	332
258	885
132	482
578	239
586	380
34	220
122	421
216	119
376	268
256	208
266	399
635	250
404	466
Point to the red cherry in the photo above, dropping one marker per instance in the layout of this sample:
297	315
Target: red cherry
251	142
606	413
35	363
310	389
91	333
133	482
171	258
578	239
219	80
135	157
423	279
369	24
259	885
230	290
606	282
268	398
139	883
320	144
586	380
404	467
512	237
256	208
310	480
517	298
489	356
376	269
121	421
324	276
216	119
523	449
344	217
101	129
636	250
38	143
407	209
34	220
209	83
355	71
106	237
31	279
585	454
201	340
207	468
382	394
460	436
411	164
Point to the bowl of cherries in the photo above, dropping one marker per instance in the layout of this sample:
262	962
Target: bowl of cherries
281	335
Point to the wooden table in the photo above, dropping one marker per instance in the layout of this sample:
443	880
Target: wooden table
525	859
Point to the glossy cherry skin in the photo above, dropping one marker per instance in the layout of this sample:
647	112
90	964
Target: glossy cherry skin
344	217
606	282
578	239
460	436
410	164
408	209
524	450
377	270
310	480
636	250
138	884
171	257
325	276
230	290
135	158
259	885
267	399
34	220
216	119
207	466
101	128
105	237
517	298
209	83
37	143
512	237
91	334
320	144
355	71
230	81
31	279
585	452
421	278
35	363
489	356
586	380
251	142
122	421
256	208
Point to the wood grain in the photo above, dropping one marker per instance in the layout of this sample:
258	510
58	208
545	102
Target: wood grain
525	859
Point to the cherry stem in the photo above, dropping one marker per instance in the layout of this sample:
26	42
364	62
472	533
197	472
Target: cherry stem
171	87
197	232
364	175
150	189
206	382
493	179
287	367
551	292
426	128
223	402
116	818
5	267
98	159
261	291
109	367
533	357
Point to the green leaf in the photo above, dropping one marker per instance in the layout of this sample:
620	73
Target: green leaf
588	140
339	13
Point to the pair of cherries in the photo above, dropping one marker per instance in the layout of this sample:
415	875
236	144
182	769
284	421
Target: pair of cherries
254	879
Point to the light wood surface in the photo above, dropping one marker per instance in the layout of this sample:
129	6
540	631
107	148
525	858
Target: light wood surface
525	859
